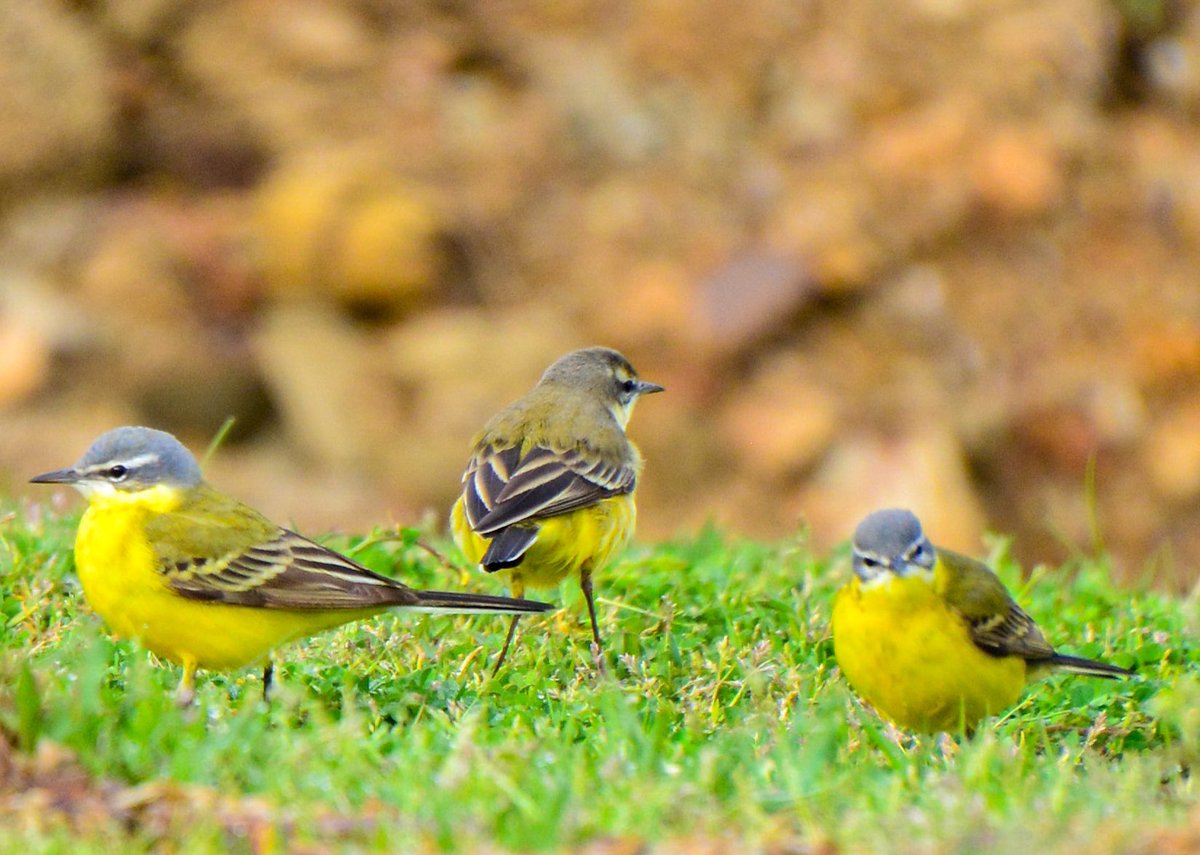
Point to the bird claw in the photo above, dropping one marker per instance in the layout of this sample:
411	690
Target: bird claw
598	658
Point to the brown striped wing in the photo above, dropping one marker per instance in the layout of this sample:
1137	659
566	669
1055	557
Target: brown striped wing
1012	633
502	488
997	624
286	572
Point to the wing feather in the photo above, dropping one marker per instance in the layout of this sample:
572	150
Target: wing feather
1012	634
997	624
486	476
502	487
287	572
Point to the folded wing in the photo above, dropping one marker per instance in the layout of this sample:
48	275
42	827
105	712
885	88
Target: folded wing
287	572
997	624
502	487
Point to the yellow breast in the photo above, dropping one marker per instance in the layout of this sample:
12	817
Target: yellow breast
565	543
912	658
115	562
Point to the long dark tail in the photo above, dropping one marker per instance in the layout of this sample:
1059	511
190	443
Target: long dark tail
1079	665
462	603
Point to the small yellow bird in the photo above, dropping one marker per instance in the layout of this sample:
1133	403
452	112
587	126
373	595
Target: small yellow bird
549	489
931	638
205	581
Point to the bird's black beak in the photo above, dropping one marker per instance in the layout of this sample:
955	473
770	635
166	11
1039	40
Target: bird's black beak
58	476
644	388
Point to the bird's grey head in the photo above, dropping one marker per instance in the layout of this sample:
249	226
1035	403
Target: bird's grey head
129	459
603	373
891	541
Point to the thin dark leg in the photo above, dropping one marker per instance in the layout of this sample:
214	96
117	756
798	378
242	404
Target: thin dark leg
512	630
518	592
585	582
268	679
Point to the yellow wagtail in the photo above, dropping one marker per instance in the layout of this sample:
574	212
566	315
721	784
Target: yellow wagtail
205	581
548	491
931	638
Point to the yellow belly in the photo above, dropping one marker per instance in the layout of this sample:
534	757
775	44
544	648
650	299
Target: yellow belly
116	568
913	659
588	537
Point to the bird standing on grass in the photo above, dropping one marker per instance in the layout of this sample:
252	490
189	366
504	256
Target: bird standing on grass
205	581
931	638
549	489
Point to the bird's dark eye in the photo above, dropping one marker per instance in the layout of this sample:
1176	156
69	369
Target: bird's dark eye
117	473
629	386
870	562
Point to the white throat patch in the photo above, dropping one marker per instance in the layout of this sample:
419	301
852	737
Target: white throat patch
885	578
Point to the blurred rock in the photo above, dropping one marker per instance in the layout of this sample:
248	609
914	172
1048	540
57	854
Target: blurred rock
1017	173
58	118
210	243
172	131
387	253
1117	408
781	422
169	260
922	468
684	456
826	220
297	73
1062	438
605	111
454	369
232	389
918	160
496	353
1172	453
141	21
168	296
339	225
47	235
135	298
280	480
132	269
1169	34
323	375
1166	355
646	308
1159	153
31	303
24	360
750	297
1039	55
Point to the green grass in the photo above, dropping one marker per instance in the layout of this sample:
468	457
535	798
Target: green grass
723	720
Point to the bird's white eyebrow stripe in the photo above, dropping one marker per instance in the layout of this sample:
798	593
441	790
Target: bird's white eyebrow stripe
140	460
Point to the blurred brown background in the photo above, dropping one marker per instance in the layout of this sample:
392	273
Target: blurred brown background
936	252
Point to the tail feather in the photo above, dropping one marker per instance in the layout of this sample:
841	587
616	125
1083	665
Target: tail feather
456	602
508	547
1090	667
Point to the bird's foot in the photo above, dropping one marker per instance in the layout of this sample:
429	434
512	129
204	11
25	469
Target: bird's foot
598	658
